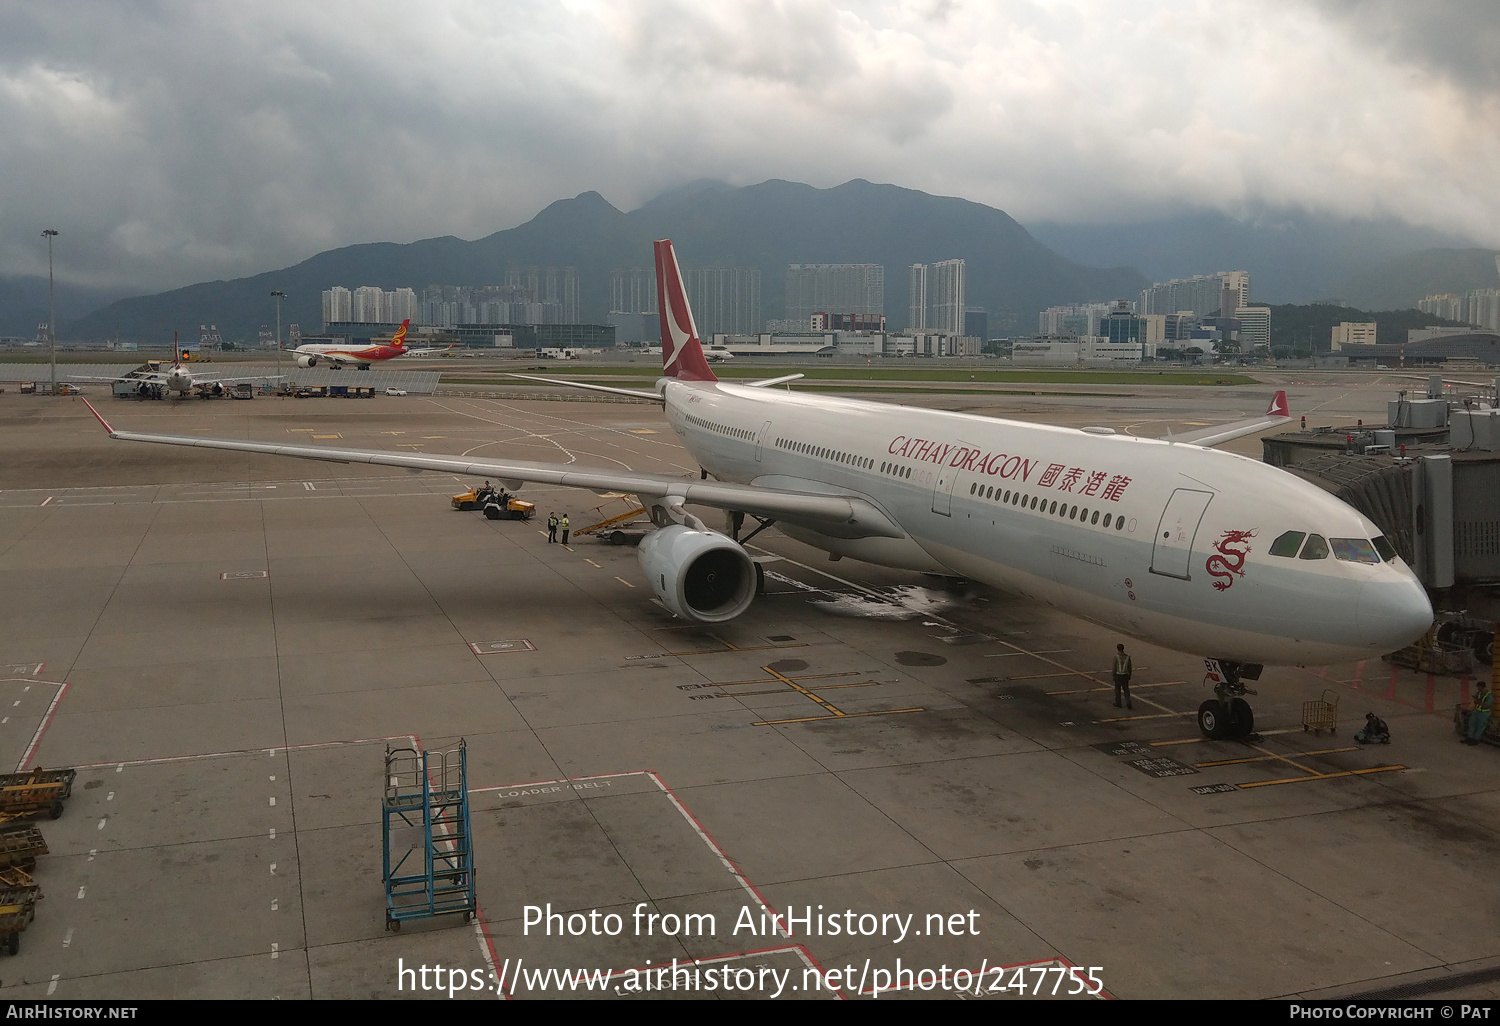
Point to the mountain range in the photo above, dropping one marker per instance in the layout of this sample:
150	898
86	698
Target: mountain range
767	226
1013	272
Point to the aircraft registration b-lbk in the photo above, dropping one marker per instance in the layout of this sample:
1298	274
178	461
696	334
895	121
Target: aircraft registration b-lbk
1165	540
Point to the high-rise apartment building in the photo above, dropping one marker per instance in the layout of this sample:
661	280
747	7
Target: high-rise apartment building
338	305
724	299
632	290
834	288
401	305
370	305
1080	320
1202	294
916	298
947	297
1480	307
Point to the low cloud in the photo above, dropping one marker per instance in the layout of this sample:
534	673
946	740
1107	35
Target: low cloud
175	142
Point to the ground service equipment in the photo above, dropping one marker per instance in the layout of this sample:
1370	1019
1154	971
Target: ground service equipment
429	858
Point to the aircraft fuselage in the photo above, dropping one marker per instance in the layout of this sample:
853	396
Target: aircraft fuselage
1159	540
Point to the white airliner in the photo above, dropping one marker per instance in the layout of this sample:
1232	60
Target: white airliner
176	378
337	357
1165	540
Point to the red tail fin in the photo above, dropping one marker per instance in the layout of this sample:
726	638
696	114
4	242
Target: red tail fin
1278	407
399	339
681	352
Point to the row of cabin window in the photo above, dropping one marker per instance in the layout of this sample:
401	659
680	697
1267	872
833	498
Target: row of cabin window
722	429
1350	550
1030	502
808	449
895	470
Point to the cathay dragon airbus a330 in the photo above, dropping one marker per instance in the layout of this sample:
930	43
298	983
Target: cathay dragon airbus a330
1165	540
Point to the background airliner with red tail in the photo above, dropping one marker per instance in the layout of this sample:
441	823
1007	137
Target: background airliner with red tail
337	357
1165	540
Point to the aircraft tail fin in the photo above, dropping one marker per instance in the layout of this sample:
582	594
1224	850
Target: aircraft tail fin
681	351
399	339
1278	407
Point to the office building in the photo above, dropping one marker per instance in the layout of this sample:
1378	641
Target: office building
1352	333
1255	327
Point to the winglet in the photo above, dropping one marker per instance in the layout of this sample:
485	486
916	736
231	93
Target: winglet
1278	407
681	352
98	418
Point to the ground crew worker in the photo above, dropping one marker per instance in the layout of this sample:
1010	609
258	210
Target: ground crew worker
1479	716
551	528
563	523
1123	670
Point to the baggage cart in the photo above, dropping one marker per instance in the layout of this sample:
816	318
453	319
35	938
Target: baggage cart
1322	714
20	849
15	916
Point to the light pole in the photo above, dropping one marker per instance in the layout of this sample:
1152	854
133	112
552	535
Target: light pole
49	234
278	295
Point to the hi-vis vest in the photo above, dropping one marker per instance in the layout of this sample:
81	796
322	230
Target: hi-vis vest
563	523
1484	702
1122	664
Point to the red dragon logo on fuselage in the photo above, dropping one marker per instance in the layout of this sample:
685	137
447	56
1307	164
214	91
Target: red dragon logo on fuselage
1229	561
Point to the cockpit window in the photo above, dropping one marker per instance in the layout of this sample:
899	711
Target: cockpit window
1354	550
1288	544
1385	548
1316	547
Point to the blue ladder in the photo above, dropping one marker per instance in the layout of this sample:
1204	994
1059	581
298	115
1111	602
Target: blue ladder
428	837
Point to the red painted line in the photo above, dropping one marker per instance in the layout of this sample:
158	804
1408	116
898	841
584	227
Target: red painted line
36	738
1390	691
728	862
1430	684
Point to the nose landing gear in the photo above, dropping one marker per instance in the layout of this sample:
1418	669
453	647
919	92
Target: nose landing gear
1227	715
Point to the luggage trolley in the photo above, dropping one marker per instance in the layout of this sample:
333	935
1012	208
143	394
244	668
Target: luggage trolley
1322	714
429	856
35	792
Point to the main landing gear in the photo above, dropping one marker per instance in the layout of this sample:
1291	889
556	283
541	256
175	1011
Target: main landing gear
1227	715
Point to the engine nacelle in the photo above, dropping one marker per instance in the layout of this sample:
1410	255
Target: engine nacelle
698	574
307	361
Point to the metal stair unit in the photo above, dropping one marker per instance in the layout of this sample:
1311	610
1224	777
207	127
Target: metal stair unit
428	840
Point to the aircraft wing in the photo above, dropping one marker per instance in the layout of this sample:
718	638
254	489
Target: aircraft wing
230	381
1277	414
843	515
147	377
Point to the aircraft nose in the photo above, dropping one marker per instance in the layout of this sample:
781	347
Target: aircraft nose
1395	612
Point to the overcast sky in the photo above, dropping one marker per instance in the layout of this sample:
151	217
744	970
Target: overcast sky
177	142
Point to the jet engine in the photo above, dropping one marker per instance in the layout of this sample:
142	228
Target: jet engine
698	574
307	361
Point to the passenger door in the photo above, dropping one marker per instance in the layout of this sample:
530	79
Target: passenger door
942	491
1172	553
